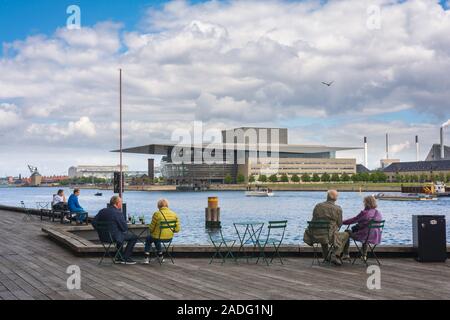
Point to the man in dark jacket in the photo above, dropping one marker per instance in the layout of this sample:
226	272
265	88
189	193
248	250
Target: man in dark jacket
118	228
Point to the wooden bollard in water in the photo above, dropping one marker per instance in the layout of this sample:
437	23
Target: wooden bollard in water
212	213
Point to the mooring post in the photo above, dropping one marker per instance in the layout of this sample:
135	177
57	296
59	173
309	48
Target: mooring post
212	213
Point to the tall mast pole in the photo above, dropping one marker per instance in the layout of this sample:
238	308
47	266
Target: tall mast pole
120	128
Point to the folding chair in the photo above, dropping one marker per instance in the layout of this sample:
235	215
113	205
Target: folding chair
373	225
107	241
167	243
321	226
275	236
28	216
220	242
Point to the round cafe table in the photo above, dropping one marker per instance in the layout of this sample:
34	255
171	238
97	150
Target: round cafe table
248	233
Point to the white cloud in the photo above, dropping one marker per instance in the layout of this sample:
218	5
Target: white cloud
9	116
396	148
83	128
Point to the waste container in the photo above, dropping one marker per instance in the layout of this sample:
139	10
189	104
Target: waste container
429	238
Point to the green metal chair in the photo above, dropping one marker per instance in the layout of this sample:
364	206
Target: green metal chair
321	226
167	243
373	225
28	215
220	242
275	235
107	241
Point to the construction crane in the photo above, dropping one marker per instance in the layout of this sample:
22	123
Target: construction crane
33	170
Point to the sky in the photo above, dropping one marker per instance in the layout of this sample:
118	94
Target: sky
225	63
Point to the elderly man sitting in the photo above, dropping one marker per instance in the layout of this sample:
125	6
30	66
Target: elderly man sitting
328	211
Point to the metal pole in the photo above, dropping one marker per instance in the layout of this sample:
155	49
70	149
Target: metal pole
120	126
366	162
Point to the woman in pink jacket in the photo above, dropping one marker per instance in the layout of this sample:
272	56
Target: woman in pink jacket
360	231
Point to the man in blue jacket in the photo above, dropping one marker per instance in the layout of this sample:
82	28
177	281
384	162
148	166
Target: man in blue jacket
74	207
117	228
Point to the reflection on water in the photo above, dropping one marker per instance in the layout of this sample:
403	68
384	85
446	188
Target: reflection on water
296	207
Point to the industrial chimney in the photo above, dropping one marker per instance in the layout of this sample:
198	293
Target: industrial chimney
387	146
365	152
442	144
417	148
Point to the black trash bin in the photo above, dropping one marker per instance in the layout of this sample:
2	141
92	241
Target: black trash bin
429	238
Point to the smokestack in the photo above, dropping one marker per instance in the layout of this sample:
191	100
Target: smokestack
442	143
365	152
417	148
387	146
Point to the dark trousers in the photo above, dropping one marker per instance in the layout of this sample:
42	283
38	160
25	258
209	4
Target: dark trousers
148	244
131	240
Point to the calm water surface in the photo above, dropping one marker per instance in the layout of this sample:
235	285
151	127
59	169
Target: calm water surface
296	207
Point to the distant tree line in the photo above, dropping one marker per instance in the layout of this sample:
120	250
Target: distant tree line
375	177
83	180
325	177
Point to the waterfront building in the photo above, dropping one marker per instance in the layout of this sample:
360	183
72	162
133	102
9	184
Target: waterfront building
92	171
244	152
422	170
387	162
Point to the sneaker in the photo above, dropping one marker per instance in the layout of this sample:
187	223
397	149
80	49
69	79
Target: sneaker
119	261
130	261
161	257
146	260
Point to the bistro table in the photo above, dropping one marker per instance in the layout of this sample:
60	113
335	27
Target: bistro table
139	229
251	233
42	205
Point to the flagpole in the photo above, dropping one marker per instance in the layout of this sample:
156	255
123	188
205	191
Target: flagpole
120	128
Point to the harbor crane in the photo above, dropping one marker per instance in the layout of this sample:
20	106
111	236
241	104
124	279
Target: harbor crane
33	170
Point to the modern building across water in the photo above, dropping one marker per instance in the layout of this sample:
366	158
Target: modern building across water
244	151
89	171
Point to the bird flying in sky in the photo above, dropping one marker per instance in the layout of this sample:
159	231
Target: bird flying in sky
327	83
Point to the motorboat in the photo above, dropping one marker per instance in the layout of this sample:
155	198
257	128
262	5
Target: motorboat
259	192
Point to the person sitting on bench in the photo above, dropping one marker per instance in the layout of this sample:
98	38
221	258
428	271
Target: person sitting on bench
59	201
74	207
59	204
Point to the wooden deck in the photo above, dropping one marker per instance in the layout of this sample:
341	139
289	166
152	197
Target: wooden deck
32	266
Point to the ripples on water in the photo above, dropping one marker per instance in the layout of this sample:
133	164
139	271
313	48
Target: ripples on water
296	207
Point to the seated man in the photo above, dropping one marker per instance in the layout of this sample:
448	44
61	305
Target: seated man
118	228
163	214
74	207
328	211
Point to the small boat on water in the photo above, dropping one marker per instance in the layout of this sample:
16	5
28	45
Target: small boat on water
99	194
259	191
438	189
405	197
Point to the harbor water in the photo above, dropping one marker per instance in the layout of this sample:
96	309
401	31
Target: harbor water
296	207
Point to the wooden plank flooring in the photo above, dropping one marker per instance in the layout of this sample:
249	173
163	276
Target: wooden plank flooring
32	266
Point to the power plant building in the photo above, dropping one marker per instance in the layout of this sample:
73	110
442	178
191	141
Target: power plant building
248	152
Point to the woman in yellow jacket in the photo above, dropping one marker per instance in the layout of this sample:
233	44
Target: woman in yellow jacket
157	234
